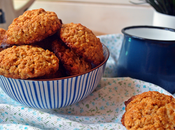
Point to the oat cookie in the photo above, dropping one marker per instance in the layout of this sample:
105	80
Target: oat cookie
2	32
46	43
32	26
149	111
23	62
61	72
73	63
83	41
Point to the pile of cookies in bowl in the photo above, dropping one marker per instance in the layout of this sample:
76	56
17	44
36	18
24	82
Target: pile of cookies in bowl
43	58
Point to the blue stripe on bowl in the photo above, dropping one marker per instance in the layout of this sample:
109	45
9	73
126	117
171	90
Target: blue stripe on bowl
26	92
81	88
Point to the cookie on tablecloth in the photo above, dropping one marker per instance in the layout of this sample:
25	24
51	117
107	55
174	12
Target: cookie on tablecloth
149	111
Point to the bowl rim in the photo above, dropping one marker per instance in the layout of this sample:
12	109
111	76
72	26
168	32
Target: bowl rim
72	76
147	39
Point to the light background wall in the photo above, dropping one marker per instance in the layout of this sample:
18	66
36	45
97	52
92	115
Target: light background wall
101	16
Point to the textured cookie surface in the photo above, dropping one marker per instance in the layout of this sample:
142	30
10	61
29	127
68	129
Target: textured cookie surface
32	26
82	41
73	63
150	111
26	61
2	32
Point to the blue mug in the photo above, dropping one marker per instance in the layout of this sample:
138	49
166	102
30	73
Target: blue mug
148	54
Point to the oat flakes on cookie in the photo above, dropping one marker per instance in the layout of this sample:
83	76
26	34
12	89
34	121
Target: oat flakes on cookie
83	41
2	32
149	111
25	61
32	26
73	63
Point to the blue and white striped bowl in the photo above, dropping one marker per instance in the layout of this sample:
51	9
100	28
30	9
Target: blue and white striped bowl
54	93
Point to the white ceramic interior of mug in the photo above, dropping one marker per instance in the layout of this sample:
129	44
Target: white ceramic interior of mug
152	33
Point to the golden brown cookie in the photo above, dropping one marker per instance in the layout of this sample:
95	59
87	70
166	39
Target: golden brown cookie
26	61
46	43
83	41
149	111
73	63
2	32
61	72
32	26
